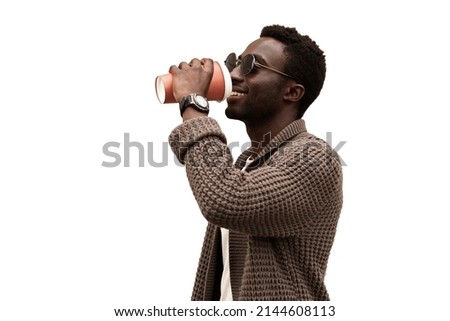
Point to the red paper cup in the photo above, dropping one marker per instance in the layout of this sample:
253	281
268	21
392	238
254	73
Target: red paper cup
219	88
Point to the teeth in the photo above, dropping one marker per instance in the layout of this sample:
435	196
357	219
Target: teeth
235	93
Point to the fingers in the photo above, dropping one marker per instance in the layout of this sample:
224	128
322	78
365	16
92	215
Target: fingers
182	65
206	63
173	68
195	63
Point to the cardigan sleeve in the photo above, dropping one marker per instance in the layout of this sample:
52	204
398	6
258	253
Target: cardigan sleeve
298	188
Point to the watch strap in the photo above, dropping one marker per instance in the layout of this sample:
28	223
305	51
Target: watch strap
196	101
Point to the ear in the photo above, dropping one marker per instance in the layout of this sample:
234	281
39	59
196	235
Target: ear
294	93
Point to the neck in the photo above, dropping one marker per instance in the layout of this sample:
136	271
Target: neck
261	135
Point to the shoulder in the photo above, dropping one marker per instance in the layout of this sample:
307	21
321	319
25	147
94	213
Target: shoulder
306	150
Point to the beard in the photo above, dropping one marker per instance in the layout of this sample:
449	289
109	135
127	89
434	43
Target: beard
250	113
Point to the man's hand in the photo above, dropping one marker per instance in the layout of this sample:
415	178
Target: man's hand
194	77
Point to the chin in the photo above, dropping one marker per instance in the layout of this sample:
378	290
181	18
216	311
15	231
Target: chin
230	113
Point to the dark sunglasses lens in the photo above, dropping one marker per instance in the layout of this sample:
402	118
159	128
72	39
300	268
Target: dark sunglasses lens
247	64
230	62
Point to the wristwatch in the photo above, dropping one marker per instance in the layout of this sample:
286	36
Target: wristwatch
195	100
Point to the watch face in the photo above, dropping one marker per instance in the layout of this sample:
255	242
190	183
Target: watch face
201	101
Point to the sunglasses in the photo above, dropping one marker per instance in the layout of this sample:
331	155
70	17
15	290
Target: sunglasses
247	64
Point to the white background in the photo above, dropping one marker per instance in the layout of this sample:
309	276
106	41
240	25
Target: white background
78	239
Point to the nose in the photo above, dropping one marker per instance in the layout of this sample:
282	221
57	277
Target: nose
236	73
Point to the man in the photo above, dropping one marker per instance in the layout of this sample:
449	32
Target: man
272	216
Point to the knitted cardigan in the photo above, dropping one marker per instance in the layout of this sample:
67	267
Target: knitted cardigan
282	212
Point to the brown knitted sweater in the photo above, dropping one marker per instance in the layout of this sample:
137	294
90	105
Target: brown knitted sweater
282	212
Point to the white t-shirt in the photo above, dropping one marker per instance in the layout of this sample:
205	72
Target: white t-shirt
225	285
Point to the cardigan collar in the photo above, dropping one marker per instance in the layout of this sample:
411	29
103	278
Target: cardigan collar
293	129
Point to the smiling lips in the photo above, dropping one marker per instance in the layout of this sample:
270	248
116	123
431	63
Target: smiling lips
236	93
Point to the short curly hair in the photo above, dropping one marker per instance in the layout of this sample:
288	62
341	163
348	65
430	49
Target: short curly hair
305	61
